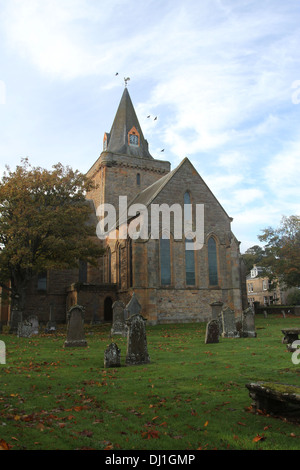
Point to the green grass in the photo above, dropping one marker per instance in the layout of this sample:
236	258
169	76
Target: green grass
191	396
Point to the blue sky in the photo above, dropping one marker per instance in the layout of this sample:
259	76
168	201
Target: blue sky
223	77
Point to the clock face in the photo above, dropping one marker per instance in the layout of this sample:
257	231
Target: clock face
133	139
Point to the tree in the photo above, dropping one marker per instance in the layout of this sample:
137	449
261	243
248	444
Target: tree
44	224
253	255
282	249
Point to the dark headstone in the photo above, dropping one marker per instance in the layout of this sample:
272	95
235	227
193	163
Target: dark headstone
212	332
137	350
112	356
25	329
75	328
119	326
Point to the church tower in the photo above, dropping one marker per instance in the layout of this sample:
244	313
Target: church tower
125	166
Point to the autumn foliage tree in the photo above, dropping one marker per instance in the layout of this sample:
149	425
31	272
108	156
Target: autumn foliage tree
44	224
282	252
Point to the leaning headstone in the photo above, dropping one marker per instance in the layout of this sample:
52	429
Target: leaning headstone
248	323
228	324
33	319
216	308
75	329
212	332
112	356
137	350
15	318
25	329
119	326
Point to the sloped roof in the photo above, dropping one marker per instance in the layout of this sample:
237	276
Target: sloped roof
125	120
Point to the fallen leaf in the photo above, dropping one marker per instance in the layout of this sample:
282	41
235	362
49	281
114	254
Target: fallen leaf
206	423
4	445
259	438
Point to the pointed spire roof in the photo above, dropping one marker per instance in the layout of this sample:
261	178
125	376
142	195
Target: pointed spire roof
125	123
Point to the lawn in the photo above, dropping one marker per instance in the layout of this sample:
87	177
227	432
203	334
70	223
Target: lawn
192	396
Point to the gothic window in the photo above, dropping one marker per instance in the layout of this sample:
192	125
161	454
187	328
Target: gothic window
212	262
165	261
108	266
130	266
187	210
119	265
189	264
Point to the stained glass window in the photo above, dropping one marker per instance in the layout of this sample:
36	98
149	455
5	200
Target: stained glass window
165	261
212	262
189	265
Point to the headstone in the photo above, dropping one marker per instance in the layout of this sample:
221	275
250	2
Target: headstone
33	319
25	329
51	325
265	314
119	326
228	324
112	356
2	353
212	332
283	313
133	307
15	318
75	329
216	308
137	350
248	326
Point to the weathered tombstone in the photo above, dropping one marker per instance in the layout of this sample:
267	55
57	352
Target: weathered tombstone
119	326
25	329
51	325
15	318
2	353
33	319
265	314
112	356
133	307
75	329
212	332
283	313
216	308
248	326
228	324
137	350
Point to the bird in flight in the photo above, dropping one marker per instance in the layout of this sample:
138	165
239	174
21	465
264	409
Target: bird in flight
155	118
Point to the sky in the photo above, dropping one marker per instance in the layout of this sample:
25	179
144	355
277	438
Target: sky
222	77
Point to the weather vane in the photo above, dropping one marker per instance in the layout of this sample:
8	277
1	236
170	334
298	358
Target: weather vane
126	80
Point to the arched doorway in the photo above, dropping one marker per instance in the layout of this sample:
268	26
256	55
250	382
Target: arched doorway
108	314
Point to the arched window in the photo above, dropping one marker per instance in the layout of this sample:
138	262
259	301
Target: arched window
130	267
165	261
212	262
138	179
119	265
108	266
190	278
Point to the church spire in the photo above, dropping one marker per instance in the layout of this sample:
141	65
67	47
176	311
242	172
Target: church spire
126	136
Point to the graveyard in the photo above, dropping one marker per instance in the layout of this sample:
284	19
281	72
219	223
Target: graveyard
187	390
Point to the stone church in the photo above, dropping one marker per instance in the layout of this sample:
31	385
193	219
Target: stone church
172	282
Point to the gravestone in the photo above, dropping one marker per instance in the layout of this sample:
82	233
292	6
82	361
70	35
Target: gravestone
33	319
228	324
216	308
119	326
248	323
2	353
212	332
112	356
265	314
133	307
137	350
75	328
15	318
283	313
25	329
51	325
